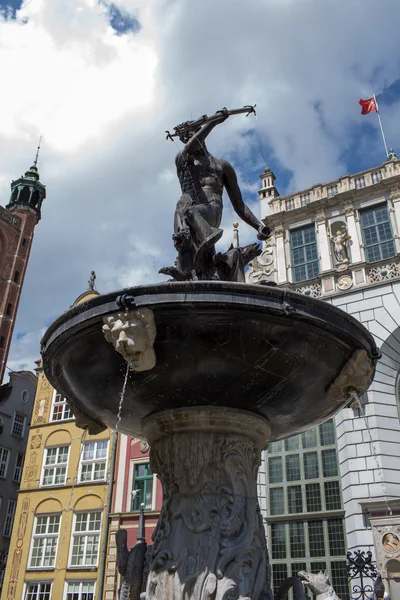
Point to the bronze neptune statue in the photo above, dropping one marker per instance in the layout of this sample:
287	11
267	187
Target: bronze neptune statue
198	213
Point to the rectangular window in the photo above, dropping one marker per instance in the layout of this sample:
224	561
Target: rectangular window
292	443
332	495
18	426
316	538
332	190
329	463
61	411
340	580
276	503
278	540
295	504
313	497
296	535
309	438
142	487
4	456
336	537
275	473
311	470
303	245
80	590
94	461
376	177
305	199
9	520
55	465
38	591
327	433
275	447
279	574
290	205
292	467
19	465
377	233
360	183
44	541
86	539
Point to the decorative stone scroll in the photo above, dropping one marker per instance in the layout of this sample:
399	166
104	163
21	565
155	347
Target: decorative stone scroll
384	272
210	541
132	334
314	290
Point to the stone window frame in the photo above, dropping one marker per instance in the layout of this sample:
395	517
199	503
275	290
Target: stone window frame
17	476
9	518
90	595
374	206
59	401
37	594
4	461
306	263
54	466
131	480
86	534
18	427
49	536
93	461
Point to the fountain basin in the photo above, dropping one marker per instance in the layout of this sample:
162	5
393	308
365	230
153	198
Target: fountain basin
288	358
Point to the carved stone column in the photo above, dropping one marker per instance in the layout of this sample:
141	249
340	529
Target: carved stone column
323	242
280	253
355	249
210	541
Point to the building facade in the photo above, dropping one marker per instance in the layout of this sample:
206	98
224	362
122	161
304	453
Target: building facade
58	546
135	487
16	402
340	242
17	224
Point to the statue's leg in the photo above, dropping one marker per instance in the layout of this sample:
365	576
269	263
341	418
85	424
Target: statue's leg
210	540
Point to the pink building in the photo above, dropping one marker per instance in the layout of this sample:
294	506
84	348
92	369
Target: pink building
134	484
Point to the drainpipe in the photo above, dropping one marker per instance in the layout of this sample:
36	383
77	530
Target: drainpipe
103	555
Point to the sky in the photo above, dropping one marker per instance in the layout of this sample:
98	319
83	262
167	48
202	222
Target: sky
102	81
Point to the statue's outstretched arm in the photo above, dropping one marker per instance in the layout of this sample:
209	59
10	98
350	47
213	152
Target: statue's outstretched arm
240	208
198	139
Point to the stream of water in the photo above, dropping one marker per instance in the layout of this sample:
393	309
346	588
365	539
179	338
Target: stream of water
354	396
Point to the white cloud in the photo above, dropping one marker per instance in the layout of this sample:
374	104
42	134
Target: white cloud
103	102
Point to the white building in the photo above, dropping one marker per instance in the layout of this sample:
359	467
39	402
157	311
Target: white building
340	242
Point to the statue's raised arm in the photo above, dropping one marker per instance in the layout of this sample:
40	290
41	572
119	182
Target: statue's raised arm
199	210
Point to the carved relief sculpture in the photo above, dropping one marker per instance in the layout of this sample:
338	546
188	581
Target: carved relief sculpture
210	541
132	335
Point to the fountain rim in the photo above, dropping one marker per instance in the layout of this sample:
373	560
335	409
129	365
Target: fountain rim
242	295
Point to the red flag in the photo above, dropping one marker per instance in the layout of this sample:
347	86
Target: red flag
368	106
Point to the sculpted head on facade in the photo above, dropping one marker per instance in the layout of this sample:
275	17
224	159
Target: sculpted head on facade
132	334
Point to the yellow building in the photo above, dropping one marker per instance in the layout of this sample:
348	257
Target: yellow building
57	546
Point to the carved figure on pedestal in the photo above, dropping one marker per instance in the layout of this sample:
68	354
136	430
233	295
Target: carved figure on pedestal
198	213
339	241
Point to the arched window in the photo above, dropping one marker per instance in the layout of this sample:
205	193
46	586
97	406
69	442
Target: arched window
25	195
14	195
16	277
35	198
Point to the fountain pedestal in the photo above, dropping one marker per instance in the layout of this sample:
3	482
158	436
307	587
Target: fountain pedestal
210	540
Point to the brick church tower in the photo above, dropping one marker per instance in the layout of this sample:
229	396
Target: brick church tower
17	224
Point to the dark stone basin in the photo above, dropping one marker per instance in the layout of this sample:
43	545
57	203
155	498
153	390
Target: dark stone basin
263	349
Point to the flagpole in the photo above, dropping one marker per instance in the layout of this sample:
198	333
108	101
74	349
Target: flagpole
380	124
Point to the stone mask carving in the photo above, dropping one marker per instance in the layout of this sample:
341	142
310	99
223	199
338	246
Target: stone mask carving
132	334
